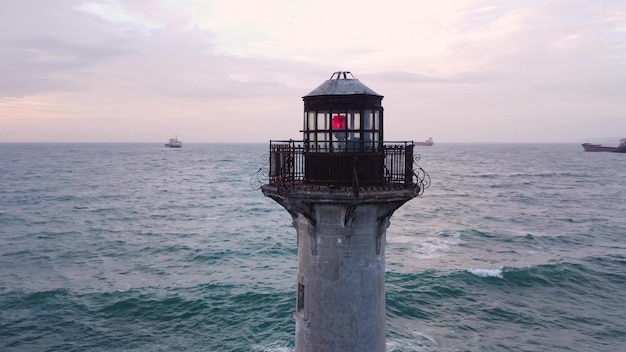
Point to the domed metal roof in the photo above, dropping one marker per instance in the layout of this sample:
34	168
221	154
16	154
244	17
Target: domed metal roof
342	83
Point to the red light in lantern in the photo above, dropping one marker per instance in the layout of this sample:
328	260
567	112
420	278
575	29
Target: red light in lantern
339	122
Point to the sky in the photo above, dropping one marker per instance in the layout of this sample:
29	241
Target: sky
236	70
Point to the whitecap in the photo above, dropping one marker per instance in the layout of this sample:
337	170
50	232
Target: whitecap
277	346
487	272
431	249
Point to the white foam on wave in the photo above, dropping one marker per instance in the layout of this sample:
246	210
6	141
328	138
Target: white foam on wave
434	247
430	249
277	346
487	272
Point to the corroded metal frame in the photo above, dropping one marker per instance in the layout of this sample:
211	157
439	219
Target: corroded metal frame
345	169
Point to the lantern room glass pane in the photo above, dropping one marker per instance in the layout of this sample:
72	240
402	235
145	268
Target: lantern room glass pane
354	122
322	141
339	136
311	121
376	120
322	121
367	140
368	120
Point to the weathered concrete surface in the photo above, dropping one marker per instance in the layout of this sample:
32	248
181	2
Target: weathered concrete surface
341	267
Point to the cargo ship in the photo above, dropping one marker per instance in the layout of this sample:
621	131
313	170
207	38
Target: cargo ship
590	147
427	143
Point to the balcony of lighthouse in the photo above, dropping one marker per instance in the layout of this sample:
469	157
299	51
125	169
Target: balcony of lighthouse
351	168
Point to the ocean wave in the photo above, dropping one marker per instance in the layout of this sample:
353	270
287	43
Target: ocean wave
487	272
275	346
216	317
513	248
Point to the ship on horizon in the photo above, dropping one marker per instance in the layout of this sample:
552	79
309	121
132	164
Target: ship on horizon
590	147
427	143
174	143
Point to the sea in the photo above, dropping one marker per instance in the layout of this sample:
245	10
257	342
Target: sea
138	247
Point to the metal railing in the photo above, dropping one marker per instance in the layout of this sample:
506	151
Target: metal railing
353	164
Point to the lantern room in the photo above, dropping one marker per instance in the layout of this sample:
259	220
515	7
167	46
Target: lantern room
343	133
341	115
342	144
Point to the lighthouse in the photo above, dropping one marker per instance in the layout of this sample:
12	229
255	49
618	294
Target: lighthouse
341	184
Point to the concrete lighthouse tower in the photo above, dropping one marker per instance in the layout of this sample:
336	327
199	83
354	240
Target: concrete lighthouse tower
341	185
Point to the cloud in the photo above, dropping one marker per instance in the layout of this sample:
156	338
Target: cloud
463	67
97	45
42	45
476	77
